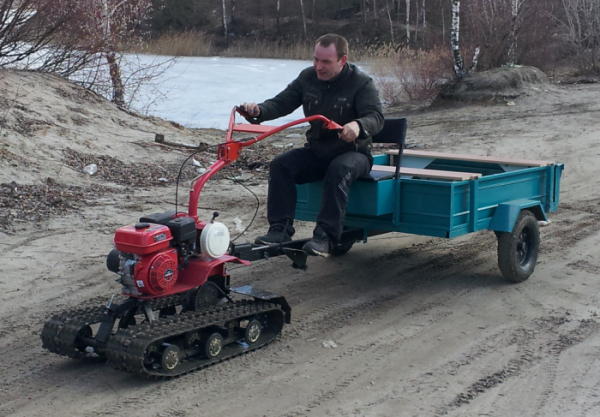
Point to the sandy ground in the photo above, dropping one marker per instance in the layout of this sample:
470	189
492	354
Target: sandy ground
421	326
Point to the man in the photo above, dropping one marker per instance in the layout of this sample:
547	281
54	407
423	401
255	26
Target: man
341	92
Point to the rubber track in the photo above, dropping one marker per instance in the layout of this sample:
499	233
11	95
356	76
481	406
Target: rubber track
127	348
60	332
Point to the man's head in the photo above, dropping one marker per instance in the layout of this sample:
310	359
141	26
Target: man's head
331	54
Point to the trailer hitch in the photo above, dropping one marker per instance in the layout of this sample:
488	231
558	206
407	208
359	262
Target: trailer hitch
253	252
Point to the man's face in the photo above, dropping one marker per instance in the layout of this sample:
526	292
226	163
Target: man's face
326	62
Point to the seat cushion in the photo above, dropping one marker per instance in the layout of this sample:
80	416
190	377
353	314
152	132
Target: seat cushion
377	176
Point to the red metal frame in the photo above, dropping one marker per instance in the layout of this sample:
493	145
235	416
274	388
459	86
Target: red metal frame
230	150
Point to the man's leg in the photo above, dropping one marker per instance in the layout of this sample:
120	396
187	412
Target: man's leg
341	173
297	166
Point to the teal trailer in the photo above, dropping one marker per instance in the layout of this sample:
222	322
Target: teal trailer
447	195
427	193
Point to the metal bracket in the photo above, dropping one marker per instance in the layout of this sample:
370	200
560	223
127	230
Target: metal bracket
149	313
298	257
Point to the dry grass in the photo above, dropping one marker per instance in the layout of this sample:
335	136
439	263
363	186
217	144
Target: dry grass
264	49
178	44
199	44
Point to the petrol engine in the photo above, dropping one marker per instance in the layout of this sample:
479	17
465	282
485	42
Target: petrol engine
150	254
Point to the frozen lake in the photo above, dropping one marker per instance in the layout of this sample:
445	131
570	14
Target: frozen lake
200	92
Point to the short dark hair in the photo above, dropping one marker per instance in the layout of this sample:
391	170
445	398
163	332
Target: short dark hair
340	43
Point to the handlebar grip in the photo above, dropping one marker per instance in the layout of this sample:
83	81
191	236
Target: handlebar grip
246	115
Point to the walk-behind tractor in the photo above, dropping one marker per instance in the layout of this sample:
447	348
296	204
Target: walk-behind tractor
177	311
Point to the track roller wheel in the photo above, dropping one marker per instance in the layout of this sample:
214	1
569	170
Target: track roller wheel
253	331
170	358
213	345
151	355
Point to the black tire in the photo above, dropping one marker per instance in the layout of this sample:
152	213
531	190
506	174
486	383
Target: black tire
170	358
518	250
341	248
253	332
213	346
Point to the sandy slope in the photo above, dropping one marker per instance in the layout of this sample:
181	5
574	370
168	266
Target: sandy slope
422	327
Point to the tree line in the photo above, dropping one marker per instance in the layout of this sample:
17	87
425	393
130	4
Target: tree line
81	37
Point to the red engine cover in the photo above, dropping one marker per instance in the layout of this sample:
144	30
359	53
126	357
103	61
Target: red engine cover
156	274
142	238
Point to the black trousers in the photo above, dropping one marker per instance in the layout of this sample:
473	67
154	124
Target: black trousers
301	166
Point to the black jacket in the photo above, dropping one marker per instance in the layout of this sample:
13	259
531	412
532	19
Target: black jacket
350	96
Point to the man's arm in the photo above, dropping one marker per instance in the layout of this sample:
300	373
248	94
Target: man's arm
368	107
282	104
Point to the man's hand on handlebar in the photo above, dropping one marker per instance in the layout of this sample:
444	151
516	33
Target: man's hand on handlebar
251	108
350	132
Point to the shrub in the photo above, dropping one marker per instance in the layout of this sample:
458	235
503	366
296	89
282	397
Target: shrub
407	75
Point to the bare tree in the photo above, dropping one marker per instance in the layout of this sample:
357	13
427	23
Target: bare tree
387	8
407	22
303	17
278	11
580	28
232	11
32	37
512	42
224	20
106	28
443	21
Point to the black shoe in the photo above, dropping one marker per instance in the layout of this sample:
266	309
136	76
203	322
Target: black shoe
318	245
273	237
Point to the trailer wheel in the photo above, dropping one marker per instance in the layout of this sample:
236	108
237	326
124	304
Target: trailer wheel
518	250
341	248
170	358
213	345
253	331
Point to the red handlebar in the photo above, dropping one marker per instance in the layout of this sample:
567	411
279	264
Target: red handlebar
230	150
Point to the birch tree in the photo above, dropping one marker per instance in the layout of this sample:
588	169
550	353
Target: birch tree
387	8
303	17
459	66
278	11
224	19
407	21
512	42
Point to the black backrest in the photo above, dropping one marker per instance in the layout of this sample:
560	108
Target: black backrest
394	131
